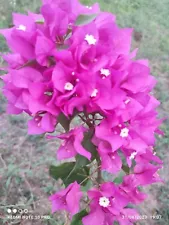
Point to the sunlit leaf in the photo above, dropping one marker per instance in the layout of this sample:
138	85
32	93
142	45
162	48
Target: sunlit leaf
85	19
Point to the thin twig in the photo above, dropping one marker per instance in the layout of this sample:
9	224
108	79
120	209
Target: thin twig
30	189
89	177
3	162
67	219
87	121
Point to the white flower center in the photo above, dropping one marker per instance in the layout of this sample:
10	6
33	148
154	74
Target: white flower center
48	93
127	101
124	132
94	93
68	86
132	156
88	7
21	27
90	39
105	72
104	202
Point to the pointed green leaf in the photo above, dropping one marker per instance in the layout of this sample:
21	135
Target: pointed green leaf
81	161
119	178
64	121
77	219
88	145
69	173
126	169
85	19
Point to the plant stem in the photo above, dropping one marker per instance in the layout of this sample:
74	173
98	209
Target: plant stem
87	121
67	219
89	177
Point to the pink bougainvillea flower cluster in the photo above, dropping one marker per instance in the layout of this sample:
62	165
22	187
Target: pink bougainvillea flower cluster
58	65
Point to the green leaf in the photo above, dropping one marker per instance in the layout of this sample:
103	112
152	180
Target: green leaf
119	178
116	223
126	169
85	19
88	145
77	219
64	121
69	173
81	161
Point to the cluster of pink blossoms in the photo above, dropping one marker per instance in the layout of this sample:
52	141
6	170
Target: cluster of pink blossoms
62	65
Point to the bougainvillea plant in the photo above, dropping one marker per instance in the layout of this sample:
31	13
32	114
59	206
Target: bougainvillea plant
73	61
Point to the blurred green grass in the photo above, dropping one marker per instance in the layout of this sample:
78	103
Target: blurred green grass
150	20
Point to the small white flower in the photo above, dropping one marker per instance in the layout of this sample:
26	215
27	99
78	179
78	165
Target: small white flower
104	202
21	27
68	86
124	132
132	156
105	72
73	73
127	101
90	39
94	93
